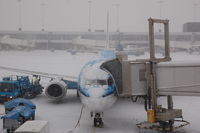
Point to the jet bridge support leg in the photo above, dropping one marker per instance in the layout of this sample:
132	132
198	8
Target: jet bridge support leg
170	107
152	86
159	118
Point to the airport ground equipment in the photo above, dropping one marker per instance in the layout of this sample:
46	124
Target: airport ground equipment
36	126
17	111
156	77
10	105
18	86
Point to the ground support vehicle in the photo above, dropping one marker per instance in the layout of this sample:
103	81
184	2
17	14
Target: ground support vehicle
18	111
18	86
36	126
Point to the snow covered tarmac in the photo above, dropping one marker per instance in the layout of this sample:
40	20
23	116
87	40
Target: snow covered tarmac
121	118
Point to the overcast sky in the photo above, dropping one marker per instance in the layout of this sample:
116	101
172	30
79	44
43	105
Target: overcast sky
73	15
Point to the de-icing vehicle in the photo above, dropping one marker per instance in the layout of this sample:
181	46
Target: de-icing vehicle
18	86
18	111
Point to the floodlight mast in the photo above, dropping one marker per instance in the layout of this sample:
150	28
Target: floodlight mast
43	14
89	17
20	15
107	33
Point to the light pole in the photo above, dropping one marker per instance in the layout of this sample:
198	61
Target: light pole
195	11
107	32
160	13
160	8
89	19
20	17
117	7
43	14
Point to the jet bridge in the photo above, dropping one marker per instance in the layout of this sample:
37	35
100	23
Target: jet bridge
134	77
178	78
171	78
155	77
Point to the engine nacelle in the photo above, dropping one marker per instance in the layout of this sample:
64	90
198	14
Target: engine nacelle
56	90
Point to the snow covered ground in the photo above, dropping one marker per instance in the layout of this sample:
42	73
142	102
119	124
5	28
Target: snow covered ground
63	116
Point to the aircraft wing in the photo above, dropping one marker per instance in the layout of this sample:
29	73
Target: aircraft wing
58	85
42	74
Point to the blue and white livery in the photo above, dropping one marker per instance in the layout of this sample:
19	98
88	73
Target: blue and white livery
96	87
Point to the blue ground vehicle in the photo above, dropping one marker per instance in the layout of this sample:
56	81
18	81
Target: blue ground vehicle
18	86
17	111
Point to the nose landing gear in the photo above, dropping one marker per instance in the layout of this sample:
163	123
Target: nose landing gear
98	120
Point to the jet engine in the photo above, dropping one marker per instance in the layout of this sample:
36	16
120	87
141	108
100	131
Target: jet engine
56	90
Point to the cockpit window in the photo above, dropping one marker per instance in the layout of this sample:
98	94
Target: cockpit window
96	82
102	82
89	82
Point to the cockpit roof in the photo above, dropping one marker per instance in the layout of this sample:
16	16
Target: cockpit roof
95	73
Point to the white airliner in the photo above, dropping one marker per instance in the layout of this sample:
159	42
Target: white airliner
7	43
189	46
95	86
88	45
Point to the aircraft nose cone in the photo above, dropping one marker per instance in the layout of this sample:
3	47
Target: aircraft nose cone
96	91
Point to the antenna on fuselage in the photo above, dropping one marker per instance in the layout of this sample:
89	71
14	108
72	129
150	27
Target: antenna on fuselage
107	33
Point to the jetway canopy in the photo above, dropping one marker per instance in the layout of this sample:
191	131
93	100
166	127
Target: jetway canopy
115	68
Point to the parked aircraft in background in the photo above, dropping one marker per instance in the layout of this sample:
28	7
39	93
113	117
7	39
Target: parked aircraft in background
79	42
190	47
9	43
88	45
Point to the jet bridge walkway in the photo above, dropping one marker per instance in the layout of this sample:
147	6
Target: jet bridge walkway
155	77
